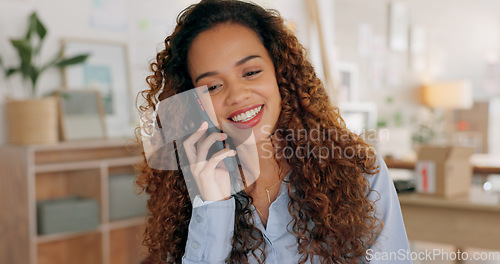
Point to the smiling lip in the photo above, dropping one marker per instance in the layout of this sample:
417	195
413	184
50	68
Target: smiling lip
243	110
249	123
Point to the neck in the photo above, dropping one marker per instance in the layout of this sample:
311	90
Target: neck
270	170
259	164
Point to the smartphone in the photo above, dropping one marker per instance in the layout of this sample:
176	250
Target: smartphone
230	162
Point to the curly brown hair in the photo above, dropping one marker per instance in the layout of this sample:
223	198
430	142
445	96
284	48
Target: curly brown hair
329	189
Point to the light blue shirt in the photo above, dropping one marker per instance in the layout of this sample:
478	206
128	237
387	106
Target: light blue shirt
212	225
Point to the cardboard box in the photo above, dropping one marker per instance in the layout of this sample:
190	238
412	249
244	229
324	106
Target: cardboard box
444	171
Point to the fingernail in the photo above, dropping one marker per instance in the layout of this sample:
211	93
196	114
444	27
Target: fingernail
223	136
204	125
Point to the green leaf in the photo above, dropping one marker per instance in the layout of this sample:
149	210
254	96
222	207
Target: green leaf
25	53
73	60
53	62
35	26
40	28
34	73
11	71
31	25
25	69
24	49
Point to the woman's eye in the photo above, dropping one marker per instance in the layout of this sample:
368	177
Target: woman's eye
250	73
214	87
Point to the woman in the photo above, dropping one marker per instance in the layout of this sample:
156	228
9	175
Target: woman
322	196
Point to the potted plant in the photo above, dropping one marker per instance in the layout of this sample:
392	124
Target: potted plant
35	119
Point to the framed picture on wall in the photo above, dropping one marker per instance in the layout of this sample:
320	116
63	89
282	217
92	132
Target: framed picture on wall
359	117
347	82
106	70
81	115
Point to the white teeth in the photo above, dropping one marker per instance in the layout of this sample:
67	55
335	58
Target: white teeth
247	115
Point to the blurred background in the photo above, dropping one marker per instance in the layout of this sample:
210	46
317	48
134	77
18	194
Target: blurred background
419	79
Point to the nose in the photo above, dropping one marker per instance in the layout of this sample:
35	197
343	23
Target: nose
237	93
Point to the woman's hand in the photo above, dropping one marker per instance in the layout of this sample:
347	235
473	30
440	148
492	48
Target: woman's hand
212	180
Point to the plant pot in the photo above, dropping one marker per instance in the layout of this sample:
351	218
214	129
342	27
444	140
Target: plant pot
33	121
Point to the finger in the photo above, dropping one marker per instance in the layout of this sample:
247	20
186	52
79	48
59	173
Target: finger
222	165
218	157
191	140
205	145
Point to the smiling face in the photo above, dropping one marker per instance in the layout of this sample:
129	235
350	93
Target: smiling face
232	62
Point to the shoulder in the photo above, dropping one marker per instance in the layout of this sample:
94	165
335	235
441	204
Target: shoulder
393	237
380	181
381	189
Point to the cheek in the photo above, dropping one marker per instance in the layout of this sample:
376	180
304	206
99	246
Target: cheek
277	108
275	95
274	98
219	109
214	110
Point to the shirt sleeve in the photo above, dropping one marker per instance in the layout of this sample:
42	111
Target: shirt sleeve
391	245
199	202
210	232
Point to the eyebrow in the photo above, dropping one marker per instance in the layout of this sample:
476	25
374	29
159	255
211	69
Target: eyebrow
238	63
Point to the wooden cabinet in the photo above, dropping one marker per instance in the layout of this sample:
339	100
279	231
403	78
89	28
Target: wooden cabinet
34	173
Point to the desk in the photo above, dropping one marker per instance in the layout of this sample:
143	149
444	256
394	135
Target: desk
457	222
410	165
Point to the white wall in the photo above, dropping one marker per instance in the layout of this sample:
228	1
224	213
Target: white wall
461	33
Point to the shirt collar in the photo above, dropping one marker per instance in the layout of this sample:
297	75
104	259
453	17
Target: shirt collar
284	184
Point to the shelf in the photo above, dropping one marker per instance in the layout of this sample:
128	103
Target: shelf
66	235
87	164
126	223
85	144
118	224
410	165
31	174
